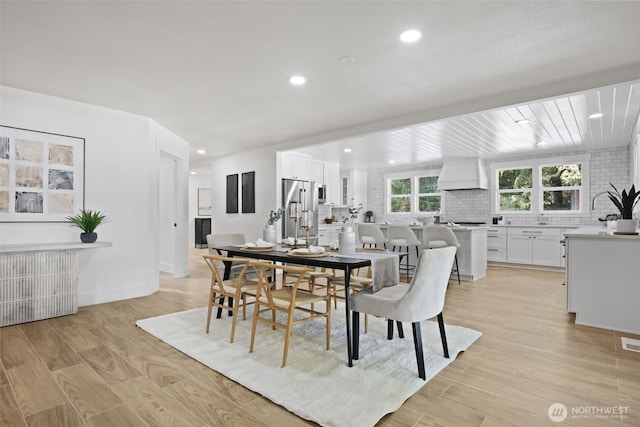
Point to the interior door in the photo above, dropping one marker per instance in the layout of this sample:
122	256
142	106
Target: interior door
167	216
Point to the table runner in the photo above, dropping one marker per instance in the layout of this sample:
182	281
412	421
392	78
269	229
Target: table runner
384	267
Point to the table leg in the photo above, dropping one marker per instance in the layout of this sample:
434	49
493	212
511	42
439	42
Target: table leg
347	306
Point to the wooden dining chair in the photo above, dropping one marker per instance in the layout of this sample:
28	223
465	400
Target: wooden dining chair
235	290
286	301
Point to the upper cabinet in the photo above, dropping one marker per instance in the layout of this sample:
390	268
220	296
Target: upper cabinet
329	175
294	166
332	181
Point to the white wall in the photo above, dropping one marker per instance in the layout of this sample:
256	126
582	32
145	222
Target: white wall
121	179
263	162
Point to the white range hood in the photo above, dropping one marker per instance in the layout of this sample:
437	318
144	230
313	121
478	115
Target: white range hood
463	174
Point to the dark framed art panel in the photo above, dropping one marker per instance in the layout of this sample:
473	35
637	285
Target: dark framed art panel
249	192
232	193
41	175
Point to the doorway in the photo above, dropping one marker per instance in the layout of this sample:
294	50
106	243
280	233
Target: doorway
167	215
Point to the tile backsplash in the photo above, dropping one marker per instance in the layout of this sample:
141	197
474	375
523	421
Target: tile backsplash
606	165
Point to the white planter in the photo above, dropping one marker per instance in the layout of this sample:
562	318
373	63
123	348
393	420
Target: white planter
269	234
626	226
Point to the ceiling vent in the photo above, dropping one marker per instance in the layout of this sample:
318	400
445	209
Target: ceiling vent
463	174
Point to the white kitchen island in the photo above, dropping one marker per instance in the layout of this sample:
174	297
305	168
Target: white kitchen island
472	253
603	284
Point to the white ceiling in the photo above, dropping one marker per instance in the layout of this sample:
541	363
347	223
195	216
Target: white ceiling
216	72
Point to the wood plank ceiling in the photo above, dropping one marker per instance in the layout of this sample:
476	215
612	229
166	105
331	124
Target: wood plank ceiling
560	124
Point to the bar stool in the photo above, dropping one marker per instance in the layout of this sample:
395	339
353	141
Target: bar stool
440	236
370	234
403	236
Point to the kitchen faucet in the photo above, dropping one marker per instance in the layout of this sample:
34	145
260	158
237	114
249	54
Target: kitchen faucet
593	201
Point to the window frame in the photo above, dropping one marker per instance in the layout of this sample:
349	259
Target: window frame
414	177
537	190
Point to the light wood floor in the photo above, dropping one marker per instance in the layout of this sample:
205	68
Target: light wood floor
97	368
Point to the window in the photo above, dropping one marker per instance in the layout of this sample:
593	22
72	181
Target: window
514	187
413	192
541	186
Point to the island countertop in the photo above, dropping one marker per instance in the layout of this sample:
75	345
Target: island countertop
598	233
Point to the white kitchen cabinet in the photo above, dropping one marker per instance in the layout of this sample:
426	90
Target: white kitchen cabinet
602	283
497	244
535	245
332	181
328	234
294	166
316	171
472	253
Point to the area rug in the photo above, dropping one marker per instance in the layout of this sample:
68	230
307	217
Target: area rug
316	384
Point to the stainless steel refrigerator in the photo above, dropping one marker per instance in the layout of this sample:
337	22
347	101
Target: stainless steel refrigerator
305	194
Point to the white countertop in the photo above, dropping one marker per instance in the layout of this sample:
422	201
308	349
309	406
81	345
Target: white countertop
533	226
598	233
36	247
452	227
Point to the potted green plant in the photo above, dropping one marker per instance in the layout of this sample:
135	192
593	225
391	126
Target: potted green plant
269	233
88	220
625	201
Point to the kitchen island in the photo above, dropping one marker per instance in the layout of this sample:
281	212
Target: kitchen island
472	253
603	289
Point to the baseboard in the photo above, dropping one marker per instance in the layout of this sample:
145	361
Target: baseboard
109	295
525	266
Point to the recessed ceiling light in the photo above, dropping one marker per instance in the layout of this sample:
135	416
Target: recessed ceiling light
347	150
595	115
410	36
346	60
523	121
541	143
297	80
201	151
392	161
193	172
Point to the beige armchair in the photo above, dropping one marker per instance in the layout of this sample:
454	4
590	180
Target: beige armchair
415	302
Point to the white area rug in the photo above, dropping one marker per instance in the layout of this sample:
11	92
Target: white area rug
316	384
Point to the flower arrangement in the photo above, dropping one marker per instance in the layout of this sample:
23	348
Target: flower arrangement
275	216
353	214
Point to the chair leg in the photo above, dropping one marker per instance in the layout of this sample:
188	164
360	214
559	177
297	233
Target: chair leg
417	342
355	324
256	309
287	337
234	321
328	321
443	336
457	269
389	329
209	314
400	330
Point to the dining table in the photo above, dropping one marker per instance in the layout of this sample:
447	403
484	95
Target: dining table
333	260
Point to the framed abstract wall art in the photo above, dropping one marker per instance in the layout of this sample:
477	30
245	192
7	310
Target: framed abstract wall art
248	192
232	193
41	175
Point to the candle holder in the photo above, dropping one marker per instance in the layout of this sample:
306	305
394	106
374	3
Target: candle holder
305	223
294	214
